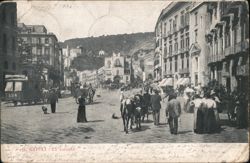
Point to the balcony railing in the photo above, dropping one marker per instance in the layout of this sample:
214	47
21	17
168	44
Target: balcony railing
184	71
229	50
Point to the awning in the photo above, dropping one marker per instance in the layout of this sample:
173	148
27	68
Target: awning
179	81
185	81
168	82
162	82
9	86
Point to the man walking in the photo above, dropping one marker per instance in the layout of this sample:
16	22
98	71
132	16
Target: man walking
173	112
156	106
53	99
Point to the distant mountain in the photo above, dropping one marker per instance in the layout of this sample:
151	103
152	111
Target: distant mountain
126	44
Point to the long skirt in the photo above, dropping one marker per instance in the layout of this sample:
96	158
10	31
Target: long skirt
198	121
81	114
210	125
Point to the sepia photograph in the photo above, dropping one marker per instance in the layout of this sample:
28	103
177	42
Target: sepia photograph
124	72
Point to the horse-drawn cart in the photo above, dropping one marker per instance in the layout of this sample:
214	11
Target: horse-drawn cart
88	93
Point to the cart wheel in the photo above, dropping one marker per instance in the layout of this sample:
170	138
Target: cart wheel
15	103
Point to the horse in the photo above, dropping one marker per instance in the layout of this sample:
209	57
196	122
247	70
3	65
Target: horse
138	110
127	113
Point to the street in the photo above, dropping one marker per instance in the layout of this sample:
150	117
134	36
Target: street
28	124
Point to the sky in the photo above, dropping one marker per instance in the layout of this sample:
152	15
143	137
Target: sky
78	19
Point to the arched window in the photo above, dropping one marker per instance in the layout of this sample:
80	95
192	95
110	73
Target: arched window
117	63
6	65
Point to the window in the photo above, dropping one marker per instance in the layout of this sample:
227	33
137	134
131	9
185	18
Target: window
117	72
5	43
165	67
6	65
187	42
13	45
182	61
176	63
109	64
195	35
46	51
39	40
175	22
182	18
170	25
187	16
39	51
117	63
187	61
46	40
13	19
196	18
14	66
197	62
165	29
170	49
176	46
182	42
170	64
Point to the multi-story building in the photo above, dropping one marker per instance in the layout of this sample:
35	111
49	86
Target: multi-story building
172	57
228	40
117	67
100	76
9	56
148	66
198	46
41	48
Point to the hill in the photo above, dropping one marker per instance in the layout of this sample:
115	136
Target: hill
127	44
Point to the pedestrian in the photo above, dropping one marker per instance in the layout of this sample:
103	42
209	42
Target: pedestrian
211	124
53	99
198	114
81	114
173	112
156	106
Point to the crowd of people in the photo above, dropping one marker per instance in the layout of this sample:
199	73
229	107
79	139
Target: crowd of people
205	103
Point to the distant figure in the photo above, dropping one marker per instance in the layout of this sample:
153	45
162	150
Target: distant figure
81	114
53	99
173	111
147	101
156	106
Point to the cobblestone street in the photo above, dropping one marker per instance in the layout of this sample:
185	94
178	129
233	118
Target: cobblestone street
28	124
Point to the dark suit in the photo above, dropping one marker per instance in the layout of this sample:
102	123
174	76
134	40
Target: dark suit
53	99
156	106
173	110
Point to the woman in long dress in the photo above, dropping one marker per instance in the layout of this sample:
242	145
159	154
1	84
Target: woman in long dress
81	114
210	119
198	114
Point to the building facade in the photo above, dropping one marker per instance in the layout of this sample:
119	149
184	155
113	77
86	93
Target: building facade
228	40
172	58
199	48
41	49
117	68
9	56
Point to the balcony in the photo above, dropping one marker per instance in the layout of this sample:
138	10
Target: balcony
184	71
215	58
229	50
241	46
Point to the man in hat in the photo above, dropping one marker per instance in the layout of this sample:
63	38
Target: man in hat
173	112
156	106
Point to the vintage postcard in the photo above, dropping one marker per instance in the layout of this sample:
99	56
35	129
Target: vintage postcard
124	81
